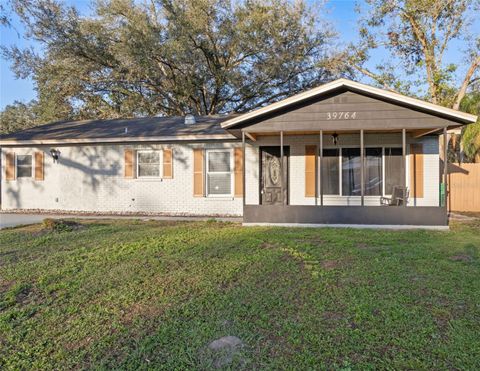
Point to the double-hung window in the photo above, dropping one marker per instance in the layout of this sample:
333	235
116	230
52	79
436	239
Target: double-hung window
24	166
149	164
219	172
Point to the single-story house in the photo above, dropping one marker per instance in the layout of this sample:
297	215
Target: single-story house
342	153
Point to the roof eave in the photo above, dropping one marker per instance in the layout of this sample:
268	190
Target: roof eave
164	139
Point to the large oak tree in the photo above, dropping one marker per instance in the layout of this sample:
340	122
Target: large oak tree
170	57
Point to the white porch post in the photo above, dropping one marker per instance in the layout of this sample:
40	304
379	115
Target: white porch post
320	167
244	169
362	168
282	167
404	166
445	168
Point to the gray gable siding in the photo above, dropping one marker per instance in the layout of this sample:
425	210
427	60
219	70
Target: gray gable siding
370	113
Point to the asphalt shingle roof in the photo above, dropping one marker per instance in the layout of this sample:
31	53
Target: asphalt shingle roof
115	128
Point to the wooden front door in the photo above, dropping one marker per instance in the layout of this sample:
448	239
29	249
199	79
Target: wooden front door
271	180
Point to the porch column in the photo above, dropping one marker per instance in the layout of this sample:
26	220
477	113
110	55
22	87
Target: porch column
320	167
445	168
362	168
282	167
244	169
404	166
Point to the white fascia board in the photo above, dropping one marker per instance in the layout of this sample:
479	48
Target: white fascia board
178	138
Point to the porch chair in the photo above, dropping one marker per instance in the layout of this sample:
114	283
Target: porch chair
397	197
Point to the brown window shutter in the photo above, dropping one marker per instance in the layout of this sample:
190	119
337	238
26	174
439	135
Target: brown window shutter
238	172
129	155
198	173
168	163
416	170
10	166
310	161
39	173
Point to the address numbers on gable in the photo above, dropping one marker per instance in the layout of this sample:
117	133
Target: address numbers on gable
341	115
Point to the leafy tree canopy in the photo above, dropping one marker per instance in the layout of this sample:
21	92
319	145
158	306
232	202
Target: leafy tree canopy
416	35
170	57
471	133
18	116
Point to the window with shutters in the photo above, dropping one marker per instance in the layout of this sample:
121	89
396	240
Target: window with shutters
149	164
219	172
24	166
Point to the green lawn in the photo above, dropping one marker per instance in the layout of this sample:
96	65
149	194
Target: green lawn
135	294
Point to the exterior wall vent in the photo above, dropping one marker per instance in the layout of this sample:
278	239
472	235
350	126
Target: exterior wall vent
189	119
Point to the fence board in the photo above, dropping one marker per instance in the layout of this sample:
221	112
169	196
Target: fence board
464	187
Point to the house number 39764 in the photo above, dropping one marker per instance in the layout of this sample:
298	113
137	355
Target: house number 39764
341	115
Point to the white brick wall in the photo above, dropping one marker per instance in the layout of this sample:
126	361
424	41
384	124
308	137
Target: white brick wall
90	178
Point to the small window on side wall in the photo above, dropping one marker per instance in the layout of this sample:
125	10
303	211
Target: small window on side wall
24	166
219	173
149	164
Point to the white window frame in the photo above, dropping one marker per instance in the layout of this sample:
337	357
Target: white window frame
16	167
160	165
231	172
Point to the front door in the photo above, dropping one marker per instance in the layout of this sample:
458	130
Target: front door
271	181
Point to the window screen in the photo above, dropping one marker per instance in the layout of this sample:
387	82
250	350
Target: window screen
219	173
331	172
24	166
373	172
148	164
393	169
351	173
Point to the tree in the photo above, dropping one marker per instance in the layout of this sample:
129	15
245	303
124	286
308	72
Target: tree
470	137
18	116
170	57
416	34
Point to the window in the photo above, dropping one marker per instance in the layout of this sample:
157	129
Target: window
24	166
149	164
393	169
219	173
331	171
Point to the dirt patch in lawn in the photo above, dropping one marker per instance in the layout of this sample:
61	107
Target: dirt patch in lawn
141	310
268	245
335	263
5	285
461	258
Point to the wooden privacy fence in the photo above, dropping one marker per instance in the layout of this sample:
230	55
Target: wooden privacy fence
464	187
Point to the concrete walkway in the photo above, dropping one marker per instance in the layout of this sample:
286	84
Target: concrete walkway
8	220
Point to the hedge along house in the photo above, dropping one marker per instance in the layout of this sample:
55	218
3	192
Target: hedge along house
342	153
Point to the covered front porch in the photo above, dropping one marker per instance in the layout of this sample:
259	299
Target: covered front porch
344	177
346	153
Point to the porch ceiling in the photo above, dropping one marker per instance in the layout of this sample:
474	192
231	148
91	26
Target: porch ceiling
416	133
346	126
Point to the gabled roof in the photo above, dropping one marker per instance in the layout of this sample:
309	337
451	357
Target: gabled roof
449	113
121	130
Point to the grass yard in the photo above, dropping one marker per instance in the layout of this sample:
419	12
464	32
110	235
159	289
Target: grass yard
135	294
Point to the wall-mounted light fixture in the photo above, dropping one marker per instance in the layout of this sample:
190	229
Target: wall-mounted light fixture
335	138
55	154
